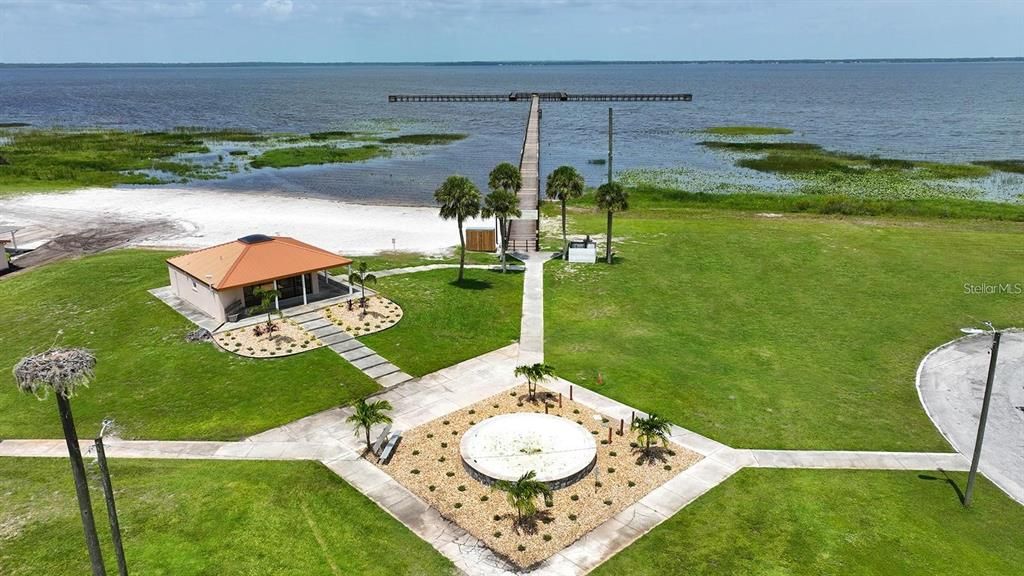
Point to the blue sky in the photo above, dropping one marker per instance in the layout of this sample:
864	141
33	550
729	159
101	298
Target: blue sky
447	30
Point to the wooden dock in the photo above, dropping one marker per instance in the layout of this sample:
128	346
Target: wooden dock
524	231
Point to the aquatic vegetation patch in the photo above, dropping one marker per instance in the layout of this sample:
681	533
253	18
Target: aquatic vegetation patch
424	139
310	155
747	130
1016	166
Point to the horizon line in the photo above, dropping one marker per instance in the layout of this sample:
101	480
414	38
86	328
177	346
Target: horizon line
526	62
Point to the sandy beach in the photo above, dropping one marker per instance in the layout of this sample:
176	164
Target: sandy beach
193	218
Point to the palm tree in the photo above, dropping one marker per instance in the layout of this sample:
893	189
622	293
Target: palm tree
534	373
268	298
651	429
612	197
459	199
63	370
522	494
503	206
361	276
565	184
369	415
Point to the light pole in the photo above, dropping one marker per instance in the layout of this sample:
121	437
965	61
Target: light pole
996	335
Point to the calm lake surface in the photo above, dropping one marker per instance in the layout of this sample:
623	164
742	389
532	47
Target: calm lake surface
934	111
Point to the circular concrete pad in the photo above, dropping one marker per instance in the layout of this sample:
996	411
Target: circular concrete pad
951	383
507	446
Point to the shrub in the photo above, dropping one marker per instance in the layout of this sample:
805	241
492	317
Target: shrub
512	393
458	505
547	537
598	484
497	534
441	459
607	502
576	411
415	452
521	548
497	517
634	445
611	470
444	444
572	517
449	474
445	422
630	483
415	471
430	436
613	453
485	498
455	432
472	411
574	497
431	487
668	466
462	488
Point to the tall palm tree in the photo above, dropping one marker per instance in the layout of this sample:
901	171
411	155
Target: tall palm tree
368	415
459	199
651	429
534	373
361	276
63	370
611	197
565	184
503	206
522	494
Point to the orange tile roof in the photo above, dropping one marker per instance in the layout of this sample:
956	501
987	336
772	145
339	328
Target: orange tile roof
239	263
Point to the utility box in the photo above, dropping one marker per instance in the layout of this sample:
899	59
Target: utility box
583	251
481	240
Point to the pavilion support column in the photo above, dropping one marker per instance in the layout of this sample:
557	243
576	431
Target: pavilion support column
304	302
277	301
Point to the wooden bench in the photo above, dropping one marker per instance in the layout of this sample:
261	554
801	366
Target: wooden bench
389	450
380	440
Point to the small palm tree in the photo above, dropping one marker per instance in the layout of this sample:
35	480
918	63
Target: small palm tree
565	184
361	276
611	197
63	370
368	415
534	373
650	430
522	494
459	199
268	298
503	206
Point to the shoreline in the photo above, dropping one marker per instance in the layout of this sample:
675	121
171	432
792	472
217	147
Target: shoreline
192	218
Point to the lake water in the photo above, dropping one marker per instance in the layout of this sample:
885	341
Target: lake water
934	111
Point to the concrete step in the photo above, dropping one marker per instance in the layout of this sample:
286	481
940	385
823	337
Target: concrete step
307	316
336	338
381	370
316	323
393	379
367	362
357	353
346	346
326	330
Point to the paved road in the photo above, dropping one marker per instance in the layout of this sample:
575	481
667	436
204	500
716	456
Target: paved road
951	382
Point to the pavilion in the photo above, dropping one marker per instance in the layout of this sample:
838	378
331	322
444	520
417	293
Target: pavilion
222	281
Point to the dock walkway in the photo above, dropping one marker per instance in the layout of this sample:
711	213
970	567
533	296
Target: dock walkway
523	236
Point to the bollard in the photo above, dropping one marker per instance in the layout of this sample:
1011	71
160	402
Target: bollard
570	392
609	434
559	400
622	425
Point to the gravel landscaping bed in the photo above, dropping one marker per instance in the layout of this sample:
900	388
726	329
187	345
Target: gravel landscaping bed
428	463
380	314
289	338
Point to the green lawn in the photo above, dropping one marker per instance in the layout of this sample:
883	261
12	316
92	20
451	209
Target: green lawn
388	259
204	518
323	154
817	522
788	332
446	323
148	378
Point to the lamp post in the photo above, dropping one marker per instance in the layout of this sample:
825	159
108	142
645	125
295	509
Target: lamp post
996	335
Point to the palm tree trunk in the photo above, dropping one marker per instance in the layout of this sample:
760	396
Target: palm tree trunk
565	237
608	240
368	445
501	226
462	251
92	541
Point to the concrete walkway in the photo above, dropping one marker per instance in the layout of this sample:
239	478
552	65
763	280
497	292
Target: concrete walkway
951	384
429	267
531	328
